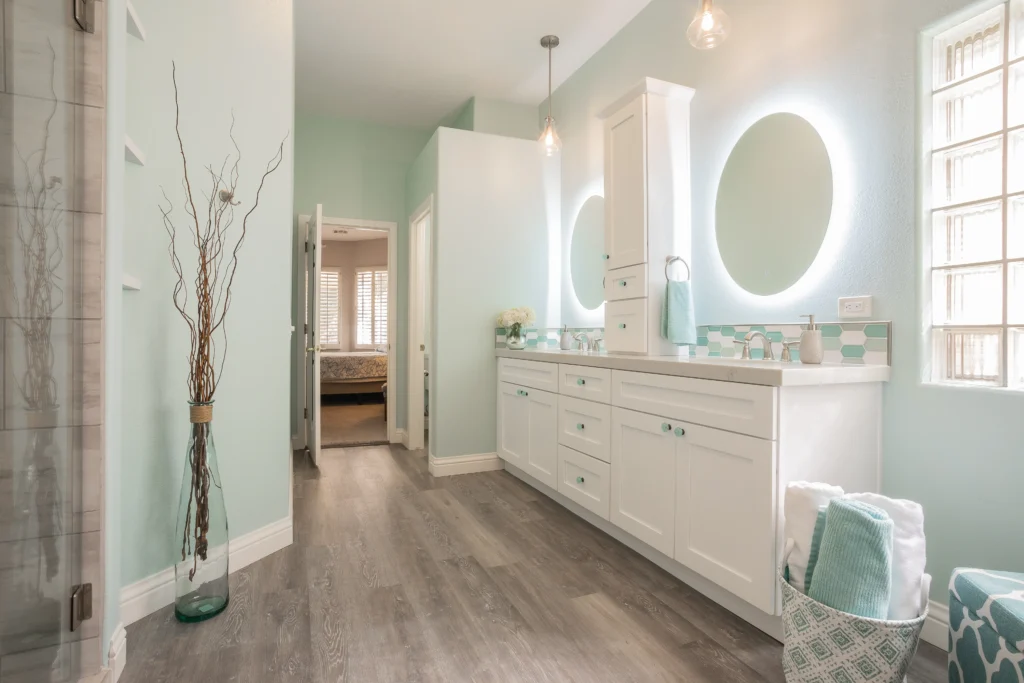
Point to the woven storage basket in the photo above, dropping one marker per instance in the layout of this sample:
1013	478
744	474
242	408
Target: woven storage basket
823	645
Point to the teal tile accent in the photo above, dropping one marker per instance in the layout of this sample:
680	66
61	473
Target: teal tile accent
728	331
739	335
702	330
852	351
758	328
713	328
714	347
775	336
875	344
877	331
702	341
714	354
830	330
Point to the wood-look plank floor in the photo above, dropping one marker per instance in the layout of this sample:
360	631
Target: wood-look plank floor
397	577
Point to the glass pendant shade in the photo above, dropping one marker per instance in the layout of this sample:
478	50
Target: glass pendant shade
549	138
709	28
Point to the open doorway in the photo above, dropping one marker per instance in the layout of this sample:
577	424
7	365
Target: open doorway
420	317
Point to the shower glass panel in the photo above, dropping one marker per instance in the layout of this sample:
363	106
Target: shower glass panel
52	99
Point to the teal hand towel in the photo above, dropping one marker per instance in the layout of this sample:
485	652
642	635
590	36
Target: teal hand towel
853	573
815	551
678	323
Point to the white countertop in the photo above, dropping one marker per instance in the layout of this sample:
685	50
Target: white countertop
763	372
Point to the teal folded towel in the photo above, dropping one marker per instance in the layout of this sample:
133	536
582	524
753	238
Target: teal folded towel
678	323
815	550
854	568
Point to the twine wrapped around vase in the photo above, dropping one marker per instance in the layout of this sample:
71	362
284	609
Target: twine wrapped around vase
200	414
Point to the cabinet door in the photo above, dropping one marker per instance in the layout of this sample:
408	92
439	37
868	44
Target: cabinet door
643	478
513	424
542	456
625	158
726	511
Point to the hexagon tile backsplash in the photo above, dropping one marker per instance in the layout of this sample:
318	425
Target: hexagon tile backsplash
860	343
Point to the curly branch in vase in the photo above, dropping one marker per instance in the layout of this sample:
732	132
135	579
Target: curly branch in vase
216	247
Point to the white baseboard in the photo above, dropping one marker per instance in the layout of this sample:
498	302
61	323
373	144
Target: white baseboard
465	464
936	626
117	655
298	442
154	592
402	437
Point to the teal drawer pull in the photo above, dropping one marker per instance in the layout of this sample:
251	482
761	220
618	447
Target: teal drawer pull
579	480
666	427
680	431
622	326
580	426
581	381
522	393
622	283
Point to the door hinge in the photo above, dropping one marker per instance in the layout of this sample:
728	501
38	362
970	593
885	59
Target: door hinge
305	413
81	605
307	247
85	14
305	328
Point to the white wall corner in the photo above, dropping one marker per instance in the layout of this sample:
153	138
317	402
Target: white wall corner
465	464
936	626
117	655
156	591
402	436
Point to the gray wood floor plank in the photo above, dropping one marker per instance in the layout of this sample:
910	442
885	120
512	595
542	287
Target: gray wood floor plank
398	577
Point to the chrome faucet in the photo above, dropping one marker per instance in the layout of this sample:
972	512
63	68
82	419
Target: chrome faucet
766	344
583	341
787	350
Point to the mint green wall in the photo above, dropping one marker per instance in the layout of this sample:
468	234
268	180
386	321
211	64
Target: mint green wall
853	68
505	118
231	56
464	119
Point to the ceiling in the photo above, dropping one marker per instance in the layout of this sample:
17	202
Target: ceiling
413	63
332	234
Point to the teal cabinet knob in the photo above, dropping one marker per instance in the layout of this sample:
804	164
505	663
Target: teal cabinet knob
622	326
581	381
622	283
579	480
605	256
680	431
580	426
666	427
526	393
521	392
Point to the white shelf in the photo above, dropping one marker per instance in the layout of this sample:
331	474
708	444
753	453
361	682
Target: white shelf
134	24
130	283
132	152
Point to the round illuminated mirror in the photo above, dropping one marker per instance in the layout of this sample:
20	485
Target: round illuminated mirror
774	204
586	258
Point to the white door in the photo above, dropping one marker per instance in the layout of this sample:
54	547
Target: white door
513	424
725	511
314	235
542	461
625	149
643	482
419	316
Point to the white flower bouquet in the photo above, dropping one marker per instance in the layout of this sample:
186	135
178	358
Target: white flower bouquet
514	319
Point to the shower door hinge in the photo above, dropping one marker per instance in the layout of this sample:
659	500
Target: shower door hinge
81	605
85	14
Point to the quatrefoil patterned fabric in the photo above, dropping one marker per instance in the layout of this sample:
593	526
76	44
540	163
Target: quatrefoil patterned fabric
986	627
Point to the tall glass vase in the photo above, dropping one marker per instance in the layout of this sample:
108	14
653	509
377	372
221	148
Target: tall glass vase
201	541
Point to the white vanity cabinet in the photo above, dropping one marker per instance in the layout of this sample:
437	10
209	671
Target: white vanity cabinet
625	236
693	469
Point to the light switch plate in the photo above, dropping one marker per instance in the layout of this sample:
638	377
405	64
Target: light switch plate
855	307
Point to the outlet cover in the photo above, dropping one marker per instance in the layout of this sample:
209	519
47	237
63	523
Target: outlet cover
855	307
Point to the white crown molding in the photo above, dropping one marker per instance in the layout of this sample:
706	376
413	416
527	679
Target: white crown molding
652	86
465	464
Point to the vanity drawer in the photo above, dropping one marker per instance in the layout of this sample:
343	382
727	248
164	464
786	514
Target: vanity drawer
584	480
742	408
626	326
529	373
626	283
593	384
585	426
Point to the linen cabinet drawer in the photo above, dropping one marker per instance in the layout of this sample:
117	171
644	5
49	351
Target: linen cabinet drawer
529	373
593	384
584	480
585	426
626	283
626	326
742	408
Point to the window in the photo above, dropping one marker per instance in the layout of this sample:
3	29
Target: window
330	307
371	307
976	221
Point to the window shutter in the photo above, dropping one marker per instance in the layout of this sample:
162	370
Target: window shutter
364	308
330	318
380	307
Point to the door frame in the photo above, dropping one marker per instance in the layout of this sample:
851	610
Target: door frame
299	440
414	414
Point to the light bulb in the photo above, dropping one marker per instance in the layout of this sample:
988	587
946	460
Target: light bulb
549	138
709	27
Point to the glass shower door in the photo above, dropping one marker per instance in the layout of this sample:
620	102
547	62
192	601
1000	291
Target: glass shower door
52	124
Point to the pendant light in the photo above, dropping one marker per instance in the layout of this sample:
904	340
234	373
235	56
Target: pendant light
549	138
709	27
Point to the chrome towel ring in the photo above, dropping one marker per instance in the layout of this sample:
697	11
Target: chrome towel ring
672	259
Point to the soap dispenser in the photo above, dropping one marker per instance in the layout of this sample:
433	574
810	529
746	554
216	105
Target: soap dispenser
812	351
567	339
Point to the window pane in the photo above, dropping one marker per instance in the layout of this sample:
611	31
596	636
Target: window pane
970	48
971	296
969	111
966	174
1015	229
1017	94
968	235
1016	370
380	307
968	356
1015	294
1017	28
329	307
364	308
1015	162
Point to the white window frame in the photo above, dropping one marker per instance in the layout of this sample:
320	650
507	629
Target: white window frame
373	297
341	310
929	91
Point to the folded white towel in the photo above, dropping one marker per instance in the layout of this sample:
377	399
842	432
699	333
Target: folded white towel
926	591
908	553
803	500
